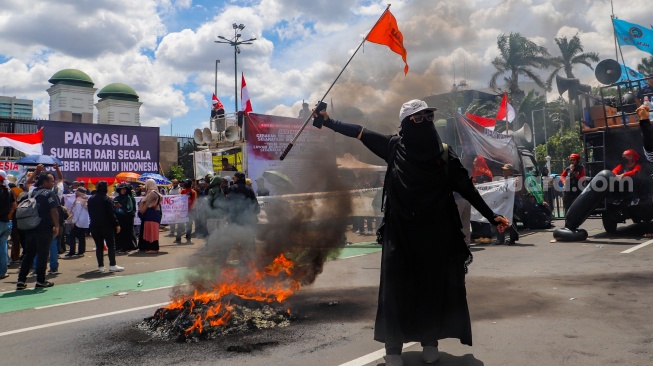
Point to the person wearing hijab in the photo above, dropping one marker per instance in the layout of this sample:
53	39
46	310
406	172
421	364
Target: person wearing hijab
125	206
481	173
422	296
79	222
149	226
104	226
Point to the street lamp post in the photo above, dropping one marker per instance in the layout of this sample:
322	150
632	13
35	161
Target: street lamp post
235	43
546	146
215	89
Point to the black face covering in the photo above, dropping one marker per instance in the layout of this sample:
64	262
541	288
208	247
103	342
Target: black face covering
421	140
624	162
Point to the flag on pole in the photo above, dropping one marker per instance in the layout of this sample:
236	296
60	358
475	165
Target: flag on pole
217	104
488	123
506	111
629	74
245	103
631	34
387	32
28	143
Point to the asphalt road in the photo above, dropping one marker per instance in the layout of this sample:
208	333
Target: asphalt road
535	303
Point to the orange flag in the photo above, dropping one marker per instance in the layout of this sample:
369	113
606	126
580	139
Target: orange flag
387	32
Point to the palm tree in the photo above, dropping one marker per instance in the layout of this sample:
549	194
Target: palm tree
571	53
519	56
646	66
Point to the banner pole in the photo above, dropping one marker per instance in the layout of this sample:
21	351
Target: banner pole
291	143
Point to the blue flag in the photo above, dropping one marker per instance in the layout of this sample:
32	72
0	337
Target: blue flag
633	35
629	74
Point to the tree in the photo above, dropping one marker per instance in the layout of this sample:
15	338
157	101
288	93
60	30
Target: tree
646	66
519	56
531	103
185	158
176	172
571	54
560	145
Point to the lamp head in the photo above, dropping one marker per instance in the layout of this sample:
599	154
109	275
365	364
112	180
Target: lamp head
241	26
235	25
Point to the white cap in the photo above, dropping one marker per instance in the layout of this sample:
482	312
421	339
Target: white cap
411	107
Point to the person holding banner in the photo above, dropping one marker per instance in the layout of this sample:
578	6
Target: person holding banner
422	296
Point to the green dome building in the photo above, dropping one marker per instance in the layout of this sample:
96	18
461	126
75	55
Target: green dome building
72	95
118	105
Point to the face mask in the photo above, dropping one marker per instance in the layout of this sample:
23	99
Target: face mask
625	161
421	139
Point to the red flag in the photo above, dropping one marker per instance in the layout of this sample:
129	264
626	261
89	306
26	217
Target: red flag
387	32
489	123
245	104
28	143
217	104
505	110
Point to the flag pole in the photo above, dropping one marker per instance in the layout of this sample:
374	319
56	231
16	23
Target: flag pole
291	143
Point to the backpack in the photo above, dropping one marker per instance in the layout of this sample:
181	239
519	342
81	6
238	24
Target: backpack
27	213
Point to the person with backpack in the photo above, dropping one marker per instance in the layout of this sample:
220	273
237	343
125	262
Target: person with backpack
104	226
7	205
38	216
422	296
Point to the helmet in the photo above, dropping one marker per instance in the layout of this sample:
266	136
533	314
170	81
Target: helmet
574	156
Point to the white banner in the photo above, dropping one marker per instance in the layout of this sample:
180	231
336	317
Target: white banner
499	195
203	164
175	208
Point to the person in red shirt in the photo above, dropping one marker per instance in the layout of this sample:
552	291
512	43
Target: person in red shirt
187	189
572	177
629	166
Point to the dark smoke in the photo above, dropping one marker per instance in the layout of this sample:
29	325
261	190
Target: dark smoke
305	233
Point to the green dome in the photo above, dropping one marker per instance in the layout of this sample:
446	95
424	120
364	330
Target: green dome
71	77
118	91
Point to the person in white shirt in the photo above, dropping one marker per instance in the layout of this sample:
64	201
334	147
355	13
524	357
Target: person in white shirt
79	224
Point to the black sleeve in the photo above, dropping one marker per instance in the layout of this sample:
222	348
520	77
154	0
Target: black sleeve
110	212
374	141
647	137
460	182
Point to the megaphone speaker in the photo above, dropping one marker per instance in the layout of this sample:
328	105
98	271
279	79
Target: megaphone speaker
208	136
565	84
608	71
524	134
231	133
198	137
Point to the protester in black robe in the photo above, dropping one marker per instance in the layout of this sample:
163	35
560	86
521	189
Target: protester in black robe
422	296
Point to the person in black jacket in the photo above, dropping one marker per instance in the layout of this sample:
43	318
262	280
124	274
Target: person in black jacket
104	226
422	296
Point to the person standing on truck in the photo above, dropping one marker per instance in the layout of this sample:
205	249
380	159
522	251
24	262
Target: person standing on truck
571	177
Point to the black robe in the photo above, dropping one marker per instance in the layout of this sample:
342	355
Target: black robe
422	294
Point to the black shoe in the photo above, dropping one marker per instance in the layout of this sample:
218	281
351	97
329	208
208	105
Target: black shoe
20	286
42	284
70	255
178	240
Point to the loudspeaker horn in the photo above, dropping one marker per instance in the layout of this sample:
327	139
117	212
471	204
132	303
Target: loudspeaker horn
197	136
231	133
608	71
565	84
523	134
208	136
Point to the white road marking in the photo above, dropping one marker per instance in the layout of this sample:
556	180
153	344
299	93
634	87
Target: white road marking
23	330
371	357
171	269
158	288
637	247
66	303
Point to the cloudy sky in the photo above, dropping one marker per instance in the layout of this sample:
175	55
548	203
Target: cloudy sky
165	49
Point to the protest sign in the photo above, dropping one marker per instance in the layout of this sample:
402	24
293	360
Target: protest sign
499	195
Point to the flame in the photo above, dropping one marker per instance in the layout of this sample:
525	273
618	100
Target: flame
259	285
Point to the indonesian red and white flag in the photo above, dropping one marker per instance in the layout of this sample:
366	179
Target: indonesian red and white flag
245	103
505	110
217	104
488	123
28	143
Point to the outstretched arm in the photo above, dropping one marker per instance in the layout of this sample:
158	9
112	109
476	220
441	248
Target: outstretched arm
376	142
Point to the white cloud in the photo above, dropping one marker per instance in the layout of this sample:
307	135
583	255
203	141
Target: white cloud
173	72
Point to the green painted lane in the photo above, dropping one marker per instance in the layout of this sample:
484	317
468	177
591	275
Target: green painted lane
114	284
